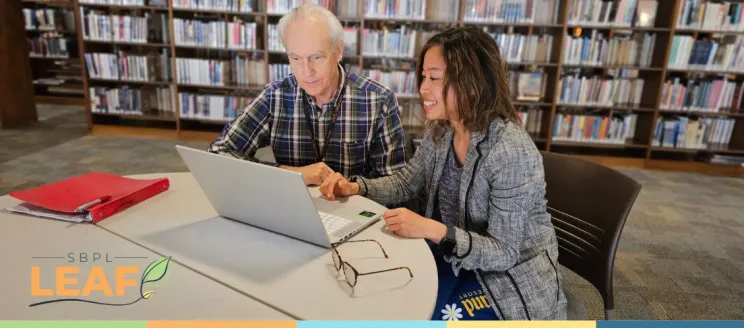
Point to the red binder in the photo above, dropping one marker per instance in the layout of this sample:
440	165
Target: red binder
64	197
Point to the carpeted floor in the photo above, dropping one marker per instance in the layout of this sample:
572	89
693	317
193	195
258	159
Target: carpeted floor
681	255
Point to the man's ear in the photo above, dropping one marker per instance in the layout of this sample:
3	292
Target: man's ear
340	53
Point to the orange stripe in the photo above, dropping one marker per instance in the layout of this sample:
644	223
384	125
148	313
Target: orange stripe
221	324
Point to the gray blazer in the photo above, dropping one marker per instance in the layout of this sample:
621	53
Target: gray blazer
504	232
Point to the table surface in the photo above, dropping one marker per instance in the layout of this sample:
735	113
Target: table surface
27	242
292	276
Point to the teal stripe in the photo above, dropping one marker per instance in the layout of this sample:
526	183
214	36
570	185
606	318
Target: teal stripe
73	324
671	324
371	324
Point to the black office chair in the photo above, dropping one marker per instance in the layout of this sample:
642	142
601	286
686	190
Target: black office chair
589	204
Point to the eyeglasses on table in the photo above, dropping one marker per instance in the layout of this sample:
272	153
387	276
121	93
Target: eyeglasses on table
352	274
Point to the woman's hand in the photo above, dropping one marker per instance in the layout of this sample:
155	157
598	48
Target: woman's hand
406	223
337	185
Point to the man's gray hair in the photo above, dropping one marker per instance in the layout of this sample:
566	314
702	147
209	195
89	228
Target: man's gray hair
310	9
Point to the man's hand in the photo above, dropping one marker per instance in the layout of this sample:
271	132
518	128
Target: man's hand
313	174
406	223
337	185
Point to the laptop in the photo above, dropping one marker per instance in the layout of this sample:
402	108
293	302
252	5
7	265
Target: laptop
274	199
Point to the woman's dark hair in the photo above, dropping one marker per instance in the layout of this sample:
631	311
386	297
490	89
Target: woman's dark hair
476	73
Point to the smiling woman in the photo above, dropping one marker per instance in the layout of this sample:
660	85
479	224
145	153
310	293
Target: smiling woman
486	218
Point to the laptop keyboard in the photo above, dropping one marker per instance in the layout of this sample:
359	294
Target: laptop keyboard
332	222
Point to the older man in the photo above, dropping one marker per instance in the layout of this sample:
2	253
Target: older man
320	119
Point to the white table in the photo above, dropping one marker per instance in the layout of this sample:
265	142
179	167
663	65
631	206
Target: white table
26	242
292	276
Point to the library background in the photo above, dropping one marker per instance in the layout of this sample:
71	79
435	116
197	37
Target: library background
649	86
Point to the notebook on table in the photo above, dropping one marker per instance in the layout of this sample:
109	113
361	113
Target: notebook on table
90	197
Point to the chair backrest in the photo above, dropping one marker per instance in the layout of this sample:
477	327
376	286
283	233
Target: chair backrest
589	204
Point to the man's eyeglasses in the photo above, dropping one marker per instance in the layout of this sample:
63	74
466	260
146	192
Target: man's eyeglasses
350	273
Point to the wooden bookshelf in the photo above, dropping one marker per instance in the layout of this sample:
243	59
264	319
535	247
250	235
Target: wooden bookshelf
639	149
57	79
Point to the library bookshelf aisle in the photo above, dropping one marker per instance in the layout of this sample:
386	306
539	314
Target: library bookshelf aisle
51	36
612	81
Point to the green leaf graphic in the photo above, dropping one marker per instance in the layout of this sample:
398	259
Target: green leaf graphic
147	295
156	270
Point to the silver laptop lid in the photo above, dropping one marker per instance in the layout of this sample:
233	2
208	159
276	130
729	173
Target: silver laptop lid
260	195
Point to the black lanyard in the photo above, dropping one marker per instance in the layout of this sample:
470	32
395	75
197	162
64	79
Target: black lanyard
316	143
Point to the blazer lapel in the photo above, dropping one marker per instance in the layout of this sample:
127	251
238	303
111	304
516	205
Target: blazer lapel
468	172
439	161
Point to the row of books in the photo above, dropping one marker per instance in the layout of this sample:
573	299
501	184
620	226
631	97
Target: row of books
115	2
527	86
595	49
275	42
49	19
622	13
512	11
239	70
616	129
51	45
243	6
247	71
726	54
684	132
211	107
130	101
100	26
400	42
524	48
400	82
412	9
443	10
531	119
598	91
215	34
701	95
128	67
284	6
707	15
279	71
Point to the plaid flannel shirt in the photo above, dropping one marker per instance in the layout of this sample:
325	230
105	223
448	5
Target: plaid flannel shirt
367	139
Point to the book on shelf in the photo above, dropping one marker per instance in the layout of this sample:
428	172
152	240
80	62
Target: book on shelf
409	9
684	132
618	129
519	48
398	42
278	72
575	89
347	9
127	100
511	11
238	70
708	15
710	95
211	107
400	82
646	13
243	6
596	49
620	13
284	6
529	86
49	44
531	119
49	19
115	2
442	10
715	54
124	66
